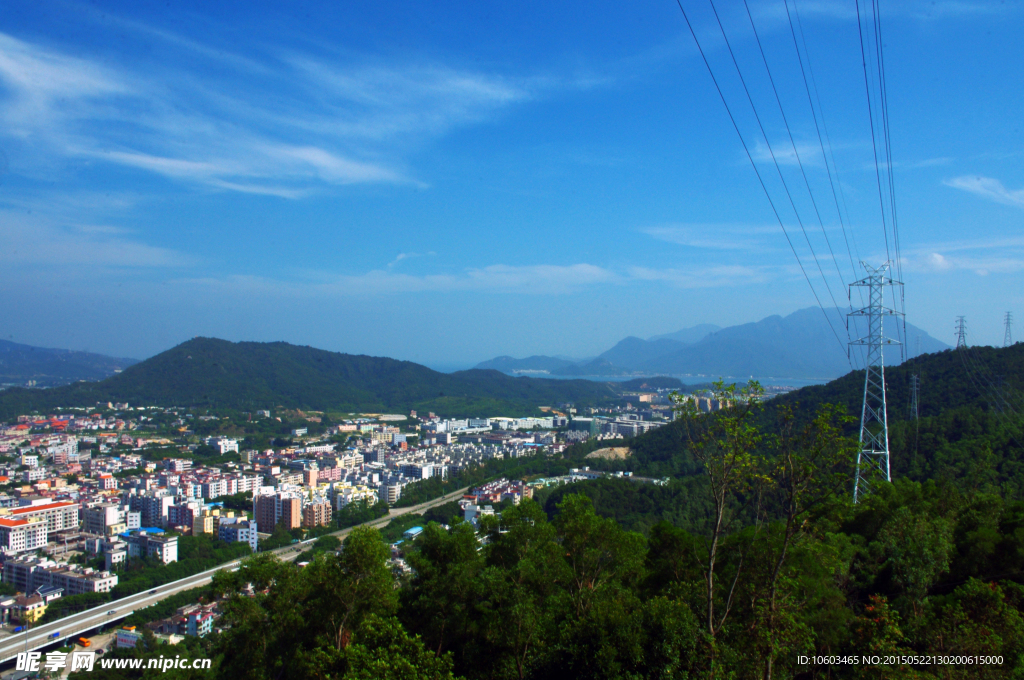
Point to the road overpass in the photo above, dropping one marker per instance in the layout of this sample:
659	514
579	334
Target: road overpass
77	625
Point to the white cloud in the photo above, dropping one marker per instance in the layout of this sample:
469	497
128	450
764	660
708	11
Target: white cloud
39	241
713	236
989	188
283	128
527	279
409	256
785	153
703	277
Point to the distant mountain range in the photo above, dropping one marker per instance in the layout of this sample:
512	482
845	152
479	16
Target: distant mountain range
801	345
20	364
207	372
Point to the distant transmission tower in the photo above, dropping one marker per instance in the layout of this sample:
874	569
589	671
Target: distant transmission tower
914	382
961	332
917	346
1008	321
873	457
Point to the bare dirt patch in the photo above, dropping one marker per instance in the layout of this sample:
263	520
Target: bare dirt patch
614	452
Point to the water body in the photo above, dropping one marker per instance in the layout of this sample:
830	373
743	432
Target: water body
766	381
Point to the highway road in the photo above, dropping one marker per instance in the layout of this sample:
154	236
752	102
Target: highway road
76	625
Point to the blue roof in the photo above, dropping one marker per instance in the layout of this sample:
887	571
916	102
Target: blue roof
148	530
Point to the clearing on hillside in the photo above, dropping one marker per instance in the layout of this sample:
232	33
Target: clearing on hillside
611	452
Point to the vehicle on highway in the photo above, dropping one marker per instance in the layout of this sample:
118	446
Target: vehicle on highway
152	592
55	635
19	629
112	611
84	642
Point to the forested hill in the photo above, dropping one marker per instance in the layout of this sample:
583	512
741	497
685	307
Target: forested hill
48	367
948	380
971	406
252	375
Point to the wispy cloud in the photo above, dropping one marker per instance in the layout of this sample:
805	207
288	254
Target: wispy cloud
785	154
982	256
39	241
409	256
499	278
712	236
989	188
704	277
282	127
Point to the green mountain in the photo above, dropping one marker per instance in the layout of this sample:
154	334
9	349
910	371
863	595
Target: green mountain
252	375
49	367
971	425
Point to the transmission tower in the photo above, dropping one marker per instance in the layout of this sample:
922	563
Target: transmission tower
1008	321
873	457
961	332
914	382
917	346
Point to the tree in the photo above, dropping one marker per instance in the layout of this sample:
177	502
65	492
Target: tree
807	469
440	603
349	587
726	444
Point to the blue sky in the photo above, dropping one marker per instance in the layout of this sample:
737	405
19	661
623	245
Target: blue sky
449	182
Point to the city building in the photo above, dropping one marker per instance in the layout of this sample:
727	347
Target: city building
57	516
317	513
145	544
199	623
104	519
22	535
29	573
238	530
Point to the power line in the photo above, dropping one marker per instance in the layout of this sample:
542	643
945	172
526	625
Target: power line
817	128
828	139
871	121
876	26
884	95
760	180
796	151
778	169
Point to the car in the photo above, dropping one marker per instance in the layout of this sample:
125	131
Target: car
55	635
112	611
19	629
152	592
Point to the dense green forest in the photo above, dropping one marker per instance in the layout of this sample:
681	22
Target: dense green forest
752	557
251	375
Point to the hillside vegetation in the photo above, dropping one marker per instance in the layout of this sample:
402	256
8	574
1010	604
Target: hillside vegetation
750	557
48	367
253	375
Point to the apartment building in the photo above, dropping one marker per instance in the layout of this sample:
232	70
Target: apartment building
104	519
317	513
57	516
269	510
143	544
28	573
153	506
21	535
236	529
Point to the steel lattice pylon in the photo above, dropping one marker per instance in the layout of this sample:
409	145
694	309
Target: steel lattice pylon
873	457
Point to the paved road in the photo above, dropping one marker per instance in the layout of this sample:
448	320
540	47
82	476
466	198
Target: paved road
73	626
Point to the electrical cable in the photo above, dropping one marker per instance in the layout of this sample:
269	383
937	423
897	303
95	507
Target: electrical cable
778	169
792	142
817	128
757	172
